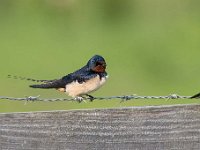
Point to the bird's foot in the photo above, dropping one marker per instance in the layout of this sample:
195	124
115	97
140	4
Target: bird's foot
91	98
80	99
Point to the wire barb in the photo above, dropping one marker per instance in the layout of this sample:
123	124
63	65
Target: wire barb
32	98
91	98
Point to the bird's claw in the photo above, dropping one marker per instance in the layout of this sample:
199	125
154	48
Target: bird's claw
91	98
80	99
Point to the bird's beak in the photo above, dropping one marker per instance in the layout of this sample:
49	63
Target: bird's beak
104	65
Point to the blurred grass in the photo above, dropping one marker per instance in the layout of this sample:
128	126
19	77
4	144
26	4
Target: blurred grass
151	47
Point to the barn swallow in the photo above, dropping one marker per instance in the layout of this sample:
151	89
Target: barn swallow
81	82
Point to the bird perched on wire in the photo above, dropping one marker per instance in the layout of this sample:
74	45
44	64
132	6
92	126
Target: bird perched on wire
81	82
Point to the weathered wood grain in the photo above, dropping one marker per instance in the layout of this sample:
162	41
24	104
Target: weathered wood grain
148	128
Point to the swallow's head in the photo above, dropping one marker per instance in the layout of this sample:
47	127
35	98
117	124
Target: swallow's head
97	64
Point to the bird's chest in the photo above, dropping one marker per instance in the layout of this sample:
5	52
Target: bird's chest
74	89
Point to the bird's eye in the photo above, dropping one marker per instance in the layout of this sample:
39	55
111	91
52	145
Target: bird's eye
98	64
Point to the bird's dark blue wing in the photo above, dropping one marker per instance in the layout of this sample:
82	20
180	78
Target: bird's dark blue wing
80	76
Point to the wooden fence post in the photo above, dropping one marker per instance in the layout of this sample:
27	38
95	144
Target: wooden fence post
153	128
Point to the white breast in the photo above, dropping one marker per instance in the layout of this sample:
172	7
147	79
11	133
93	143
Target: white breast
75	89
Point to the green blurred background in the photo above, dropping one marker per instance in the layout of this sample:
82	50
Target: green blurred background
151	48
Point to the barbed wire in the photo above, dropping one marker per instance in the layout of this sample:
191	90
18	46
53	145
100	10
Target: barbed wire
123	98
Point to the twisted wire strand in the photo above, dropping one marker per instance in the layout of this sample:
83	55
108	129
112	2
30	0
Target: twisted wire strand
123	98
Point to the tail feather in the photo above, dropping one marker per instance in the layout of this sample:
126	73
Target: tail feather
47	84
55	84
29	79
43	86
